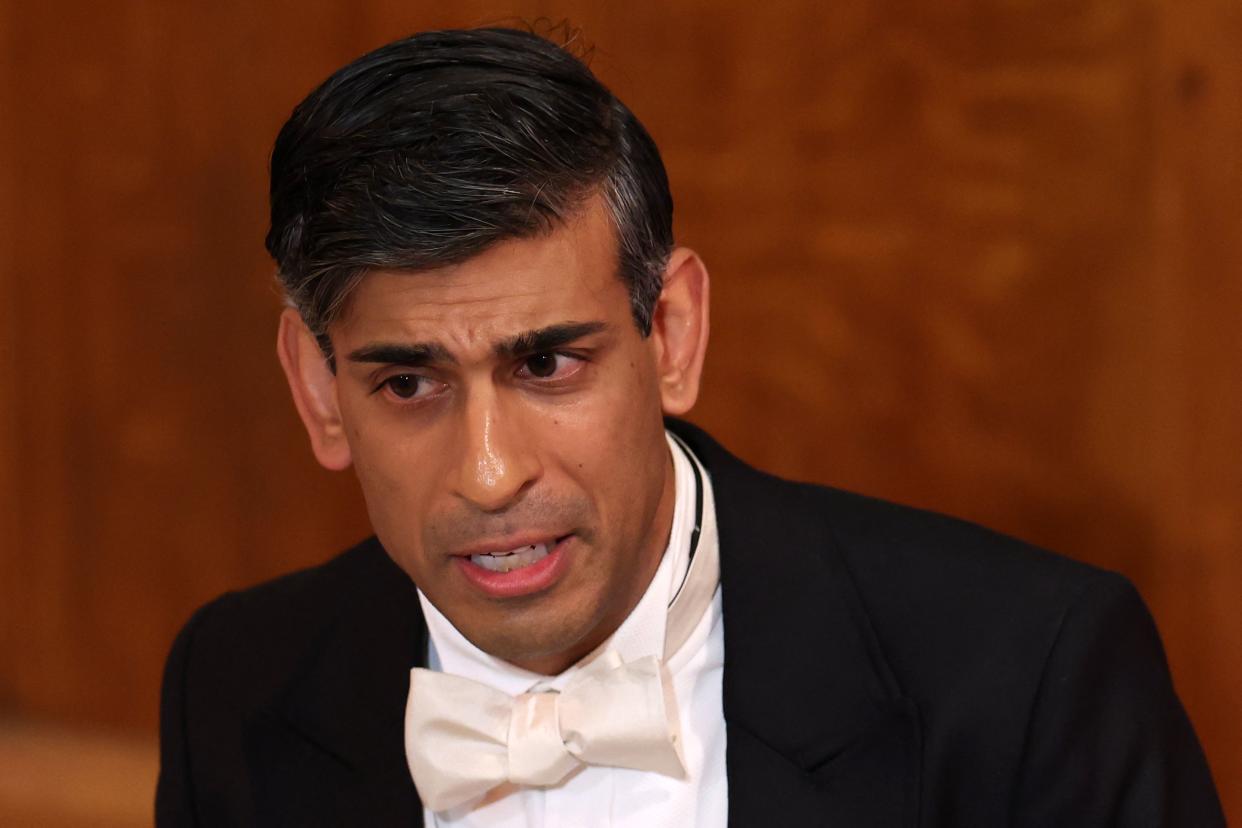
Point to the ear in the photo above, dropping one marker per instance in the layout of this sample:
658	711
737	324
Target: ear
679	330
314	390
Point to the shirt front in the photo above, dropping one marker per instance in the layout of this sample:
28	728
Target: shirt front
613	797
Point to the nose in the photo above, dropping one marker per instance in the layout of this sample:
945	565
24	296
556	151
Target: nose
498	462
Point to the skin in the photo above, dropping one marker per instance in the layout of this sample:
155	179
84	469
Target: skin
459	440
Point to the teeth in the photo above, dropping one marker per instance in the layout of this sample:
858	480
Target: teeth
511	560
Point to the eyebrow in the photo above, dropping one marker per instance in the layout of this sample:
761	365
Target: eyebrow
414	355
418	354
546	339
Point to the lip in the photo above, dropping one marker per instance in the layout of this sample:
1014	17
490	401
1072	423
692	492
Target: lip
528	580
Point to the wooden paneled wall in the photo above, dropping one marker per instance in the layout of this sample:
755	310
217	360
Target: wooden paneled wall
982	257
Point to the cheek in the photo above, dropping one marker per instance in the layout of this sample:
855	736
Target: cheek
385	446
615	417
393	471
612	445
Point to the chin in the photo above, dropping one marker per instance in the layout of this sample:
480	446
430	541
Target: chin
521	641
527	649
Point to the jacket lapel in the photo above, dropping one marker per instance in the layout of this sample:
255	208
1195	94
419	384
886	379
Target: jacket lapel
330	751
818	730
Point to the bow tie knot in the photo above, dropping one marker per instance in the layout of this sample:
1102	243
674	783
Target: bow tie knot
464	738
538	754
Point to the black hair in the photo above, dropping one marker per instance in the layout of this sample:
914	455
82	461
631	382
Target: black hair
430	149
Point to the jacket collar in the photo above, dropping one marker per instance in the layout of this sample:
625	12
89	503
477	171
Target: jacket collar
817	724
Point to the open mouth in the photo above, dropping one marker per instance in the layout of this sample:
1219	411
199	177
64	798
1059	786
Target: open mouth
522	570
512	559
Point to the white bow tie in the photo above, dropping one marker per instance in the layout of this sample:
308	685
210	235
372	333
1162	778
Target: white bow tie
464	738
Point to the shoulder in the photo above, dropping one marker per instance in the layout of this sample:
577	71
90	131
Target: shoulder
295	604
1015	660
957	609
921	558
282	677
955	602
932	563
247	642
1022	656
961	610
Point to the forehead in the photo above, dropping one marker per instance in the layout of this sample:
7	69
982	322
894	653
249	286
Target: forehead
519	284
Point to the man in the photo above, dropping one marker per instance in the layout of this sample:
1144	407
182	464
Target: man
569	615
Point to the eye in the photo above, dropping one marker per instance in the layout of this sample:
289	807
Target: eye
409	386
549	365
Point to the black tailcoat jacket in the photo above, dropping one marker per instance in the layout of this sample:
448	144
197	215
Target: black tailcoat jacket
883	667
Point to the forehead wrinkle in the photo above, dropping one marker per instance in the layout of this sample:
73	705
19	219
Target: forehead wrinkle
431	312
465	340
467	326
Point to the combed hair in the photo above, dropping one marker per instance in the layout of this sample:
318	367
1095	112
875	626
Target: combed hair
426	151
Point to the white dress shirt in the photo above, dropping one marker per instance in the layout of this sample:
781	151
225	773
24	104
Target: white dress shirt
612	797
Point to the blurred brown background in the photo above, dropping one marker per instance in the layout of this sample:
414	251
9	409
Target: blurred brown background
983	257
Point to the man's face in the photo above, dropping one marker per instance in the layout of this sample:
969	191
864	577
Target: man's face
504	419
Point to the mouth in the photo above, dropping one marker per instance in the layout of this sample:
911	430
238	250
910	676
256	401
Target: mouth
513	559
520	570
